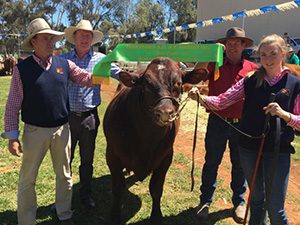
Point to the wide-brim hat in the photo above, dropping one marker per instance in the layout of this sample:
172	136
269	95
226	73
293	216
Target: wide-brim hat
83	25
239	33
39	26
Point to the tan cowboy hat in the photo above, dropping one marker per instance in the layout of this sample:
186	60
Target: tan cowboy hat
83	25
39	26
237	32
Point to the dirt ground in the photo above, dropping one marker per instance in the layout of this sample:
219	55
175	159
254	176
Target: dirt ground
184	145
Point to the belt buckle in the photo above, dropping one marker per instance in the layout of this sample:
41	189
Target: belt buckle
235	120
232	120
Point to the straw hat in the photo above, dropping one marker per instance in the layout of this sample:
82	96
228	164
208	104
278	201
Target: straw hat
83	25
237	32
39	26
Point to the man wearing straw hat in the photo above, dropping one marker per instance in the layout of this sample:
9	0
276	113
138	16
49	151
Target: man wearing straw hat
83	119
39	89
234	68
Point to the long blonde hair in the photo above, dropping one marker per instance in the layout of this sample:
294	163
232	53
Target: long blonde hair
267	40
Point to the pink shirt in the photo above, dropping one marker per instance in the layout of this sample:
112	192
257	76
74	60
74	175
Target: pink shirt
229	75
236	93
15	97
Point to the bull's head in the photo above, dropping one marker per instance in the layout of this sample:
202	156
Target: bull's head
161	87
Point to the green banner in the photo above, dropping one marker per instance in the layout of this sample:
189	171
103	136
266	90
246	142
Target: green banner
147	52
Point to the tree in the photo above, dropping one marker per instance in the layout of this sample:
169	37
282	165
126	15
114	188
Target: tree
16	15
147	16
179	12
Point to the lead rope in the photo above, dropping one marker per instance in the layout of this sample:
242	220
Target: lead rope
274	166
194	143
254	175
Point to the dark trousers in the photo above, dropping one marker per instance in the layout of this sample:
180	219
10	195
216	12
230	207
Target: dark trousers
275	208
84	129
218	133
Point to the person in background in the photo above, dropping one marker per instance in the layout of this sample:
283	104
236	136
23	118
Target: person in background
234	69
292	58
286	38
83	119
39	89
271	77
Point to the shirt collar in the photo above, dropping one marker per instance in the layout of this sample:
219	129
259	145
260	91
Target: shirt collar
226	61
278	77
41	63
89	54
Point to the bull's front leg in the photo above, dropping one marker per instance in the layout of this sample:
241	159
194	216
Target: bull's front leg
156	189
118	188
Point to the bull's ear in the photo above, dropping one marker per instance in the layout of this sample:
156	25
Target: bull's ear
195	76
128	79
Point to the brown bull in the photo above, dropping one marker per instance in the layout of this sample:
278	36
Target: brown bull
9	63
140	125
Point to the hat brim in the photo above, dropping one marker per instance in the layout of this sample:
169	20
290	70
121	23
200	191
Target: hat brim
248	42
26	45
69	34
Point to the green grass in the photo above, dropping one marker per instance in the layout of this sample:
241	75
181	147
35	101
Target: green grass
177	202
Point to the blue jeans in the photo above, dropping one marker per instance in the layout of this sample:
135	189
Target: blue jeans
218	133
275	207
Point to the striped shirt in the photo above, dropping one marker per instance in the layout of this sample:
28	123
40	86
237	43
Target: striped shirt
15	97
236	93
82	98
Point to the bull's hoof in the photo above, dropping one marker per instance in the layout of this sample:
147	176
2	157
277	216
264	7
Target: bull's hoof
156	220
116	219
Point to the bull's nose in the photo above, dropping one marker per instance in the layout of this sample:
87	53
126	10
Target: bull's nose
164	115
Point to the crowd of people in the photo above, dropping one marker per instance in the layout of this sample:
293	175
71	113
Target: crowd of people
58	104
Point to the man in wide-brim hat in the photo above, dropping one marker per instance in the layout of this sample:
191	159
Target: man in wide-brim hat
40	26
237	33
83	25
234	68
84	102
39	90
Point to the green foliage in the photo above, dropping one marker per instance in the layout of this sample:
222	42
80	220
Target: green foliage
117	17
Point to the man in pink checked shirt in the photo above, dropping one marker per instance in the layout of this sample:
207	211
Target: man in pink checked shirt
39	89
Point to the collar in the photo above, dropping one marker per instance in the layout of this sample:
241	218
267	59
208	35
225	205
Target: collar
226	61
88	54
44	65
285	70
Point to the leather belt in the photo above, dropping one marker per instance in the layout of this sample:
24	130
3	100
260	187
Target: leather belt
81	114
232	120
228	120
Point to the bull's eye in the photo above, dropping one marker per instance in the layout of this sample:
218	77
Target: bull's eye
178	84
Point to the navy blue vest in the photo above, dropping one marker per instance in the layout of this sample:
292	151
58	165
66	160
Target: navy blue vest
253	116
45	102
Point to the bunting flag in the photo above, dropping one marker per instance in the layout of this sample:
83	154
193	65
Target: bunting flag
146	52
232	17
